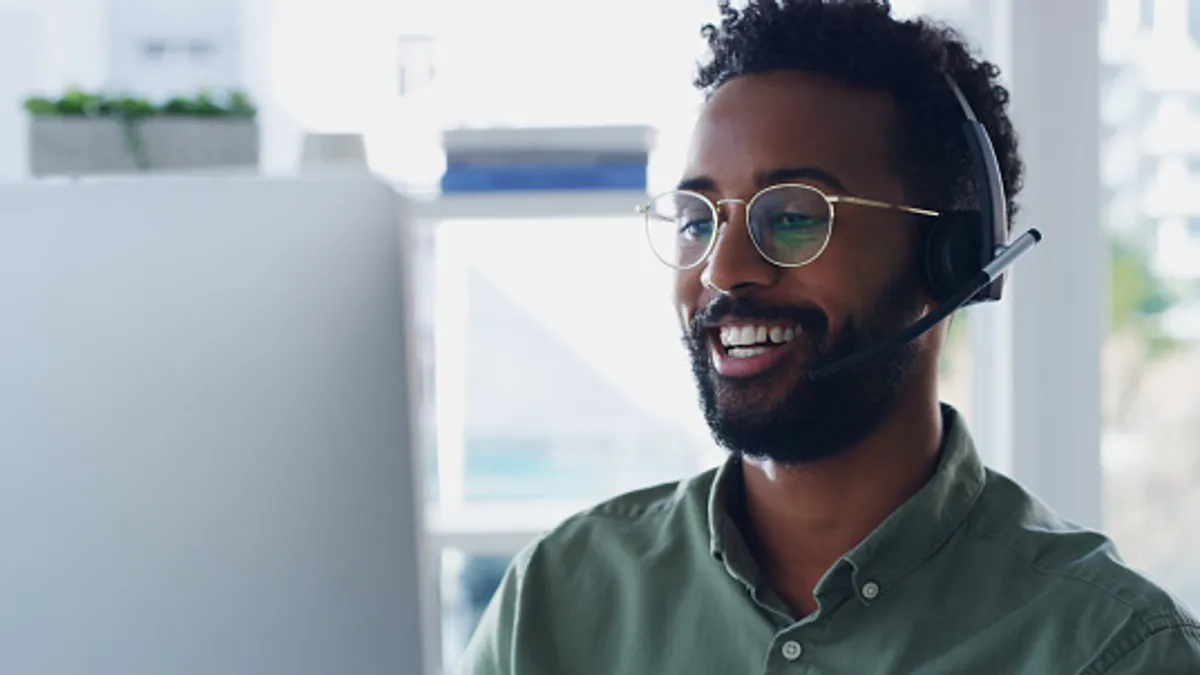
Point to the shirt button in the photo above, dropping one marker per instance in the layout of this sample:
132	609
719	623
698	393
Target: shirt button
792	650
870	590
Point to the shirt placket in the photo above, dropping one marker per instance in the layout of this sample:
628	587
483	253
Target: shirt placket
793	646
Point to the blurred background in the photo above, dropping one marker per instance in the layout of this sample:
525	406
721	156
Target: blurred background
552	371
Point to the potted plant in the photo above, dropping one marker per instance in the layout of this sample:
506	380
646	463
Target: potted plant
88	133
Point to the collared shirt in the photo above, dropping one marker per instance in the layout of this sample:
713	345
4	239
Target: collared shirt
970	575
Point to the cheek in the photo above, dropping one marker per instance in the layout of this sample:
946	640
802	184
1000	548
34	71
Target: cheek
688	290
862	258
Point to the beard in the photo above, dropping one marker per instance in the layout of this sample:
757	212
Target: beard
781	415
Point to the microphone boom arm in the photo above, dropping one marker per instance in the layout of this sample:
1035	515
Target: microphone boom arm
1005	257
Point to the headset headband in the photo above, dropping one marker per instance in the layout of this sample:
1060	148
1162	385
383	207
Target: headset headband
993	205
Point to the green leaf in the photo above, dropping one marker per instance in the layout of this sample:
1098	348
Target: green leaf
177	106
204	105
241	105
75	102
40	107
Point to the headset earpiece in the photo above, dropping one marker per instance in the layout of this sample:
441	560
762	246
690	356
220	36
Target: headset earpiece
961	243
952	252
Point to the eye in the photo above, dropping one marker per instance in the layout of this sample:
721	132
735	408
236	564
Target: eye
698	228
795	220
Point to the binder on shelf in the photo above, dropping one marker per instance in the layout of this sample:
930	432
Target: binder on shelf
546	159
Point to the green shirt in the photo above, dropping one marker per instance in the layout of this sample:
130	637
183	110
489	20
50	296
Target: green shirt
971	575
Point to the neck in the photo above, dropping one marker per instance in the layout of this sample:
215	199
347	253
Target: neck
803	518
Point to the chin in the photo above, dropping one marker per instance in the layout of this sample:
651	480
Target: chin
771	417
777	437
762	396
782	417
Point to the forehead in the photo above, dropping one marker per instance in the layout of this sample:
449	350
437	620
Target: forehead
757	124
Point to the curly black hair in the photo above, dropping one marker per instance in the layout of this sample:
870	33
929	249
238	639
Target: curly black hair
860	43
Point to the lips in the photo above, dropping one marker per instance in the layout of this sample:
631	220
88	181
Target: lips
741	350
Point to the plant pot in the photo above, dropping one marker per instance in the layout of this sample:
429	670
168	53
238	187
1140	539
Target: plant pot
174	143
80	146
66	145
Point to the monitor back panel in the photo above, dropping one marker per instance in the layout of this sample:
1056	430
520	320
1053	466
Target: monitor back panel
207	460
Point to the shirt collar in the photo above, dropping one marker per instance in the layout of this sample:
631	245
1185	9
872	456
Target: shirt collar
725	539
908	537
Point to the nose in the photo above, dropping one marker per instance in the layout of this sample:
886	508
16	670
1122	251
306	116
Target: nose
735	265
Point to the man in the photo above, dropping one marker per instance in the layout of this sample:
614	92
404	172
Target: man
853	529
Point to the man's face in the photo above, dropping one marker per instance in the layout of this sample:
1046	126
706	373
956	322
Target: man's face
793	127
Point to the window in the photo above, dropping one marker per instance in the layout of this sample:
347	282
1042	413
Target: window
1146	14
1194	20
1151	361
468	582
575	387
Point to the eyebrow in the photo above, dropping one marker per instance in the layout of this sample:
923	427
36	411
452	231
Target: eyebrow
773	177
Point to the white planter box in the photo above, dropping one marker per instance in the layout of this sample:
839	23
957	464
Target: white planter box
67	146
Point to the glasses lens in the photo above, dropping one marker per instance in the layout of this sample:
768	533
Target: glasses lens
680	227
790	224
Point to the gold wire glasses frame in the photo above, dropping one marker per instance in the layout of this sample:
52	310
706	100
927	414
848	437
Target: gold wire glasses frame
714	208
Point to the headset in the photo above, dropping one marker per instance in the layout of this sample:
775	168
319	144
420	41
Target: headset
965	253
960	243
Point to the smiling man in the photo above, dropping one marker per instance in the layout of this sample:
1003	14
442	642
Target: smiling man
853	528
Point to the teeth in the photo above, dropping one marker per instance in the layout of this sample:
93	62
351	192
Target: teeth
746	336
747	352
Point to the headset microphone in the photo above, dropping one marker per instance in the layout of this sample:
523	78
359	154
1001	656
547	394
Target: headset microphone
1006	257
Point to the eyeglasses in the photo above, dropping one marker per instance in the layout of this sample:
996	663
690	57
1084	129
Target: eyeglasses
790	223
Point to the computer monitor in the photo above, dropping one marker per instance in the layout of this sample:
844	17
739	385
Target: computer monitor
207	430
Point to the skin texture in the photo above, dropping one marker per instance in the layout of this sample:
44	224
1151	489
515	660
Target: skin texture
807	508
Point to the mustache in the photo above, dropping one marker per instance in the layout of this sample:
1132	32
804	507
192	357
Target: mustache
814	321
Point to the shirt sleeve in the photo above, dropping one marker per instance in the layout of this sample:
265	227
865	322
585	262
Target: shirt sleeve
1173	649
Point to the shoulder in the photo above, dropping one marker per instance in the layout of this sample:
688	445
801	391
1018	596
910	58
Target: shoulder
637	541
626	560
1078	576
613	555
1064	554
637	525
